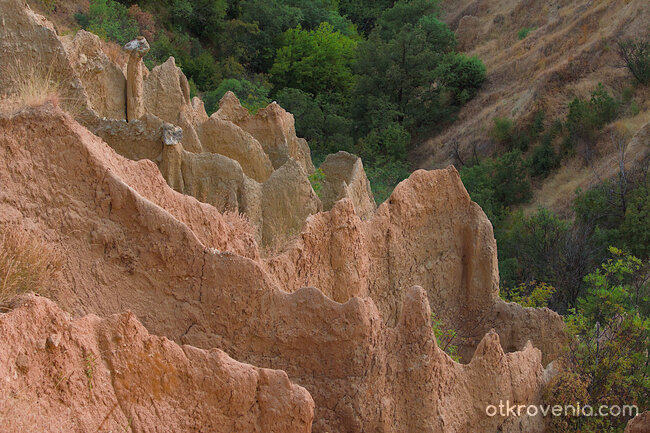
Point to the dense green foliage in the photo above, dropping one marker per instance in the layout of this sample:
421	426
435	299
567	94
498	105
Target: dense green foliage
608	355
521	34
358	76
542	247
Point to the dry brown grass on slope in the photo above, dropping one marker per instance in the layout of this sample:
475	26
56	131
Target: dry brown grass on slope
27	264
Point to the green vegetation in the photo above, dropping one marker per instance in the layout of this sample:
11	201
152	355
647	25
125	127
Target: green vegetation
109	20
607	358
521	34
543	247
445	338
316	179
358	76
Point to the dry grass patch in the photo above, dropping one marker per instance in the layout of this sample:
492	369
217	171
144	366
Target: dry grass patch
239	222
27	264
33	85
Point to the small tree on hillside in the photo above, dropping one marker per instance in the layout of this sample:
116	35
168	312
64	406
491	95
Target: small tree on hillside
636	55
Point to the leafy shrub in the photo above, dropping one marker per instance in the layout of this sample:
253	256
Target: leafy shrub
635	228
462	75
521	34
534	294
585	118
321	120
636	55
498	183
536	242
543	160
502	130
608	354
384	174
446	338
316	179
110	20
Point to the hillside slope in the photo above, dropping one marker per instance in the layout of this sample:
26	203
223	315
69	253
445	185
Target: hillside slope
570	48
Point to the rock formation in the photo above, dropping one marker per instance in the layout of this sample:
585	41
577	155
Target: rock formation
103	80
639	424
93	374
137	49
345	177
190	274
343	306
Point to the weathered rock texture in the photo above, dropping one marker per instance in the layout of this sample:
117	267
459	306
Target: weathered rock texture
345	307
639	424
137	49
273	127
103	80
429	233
90	374
190	274
345	177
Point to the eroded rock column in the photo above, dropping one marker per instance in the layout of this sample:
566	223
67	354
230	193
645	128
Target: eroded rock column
170	166
137	49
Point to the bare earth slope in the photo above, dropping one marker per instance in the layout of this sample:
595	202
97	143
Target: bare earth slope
572	47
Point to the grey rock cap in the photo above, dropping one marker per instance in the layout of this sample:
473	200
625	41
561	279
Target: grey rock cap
137	47
172	134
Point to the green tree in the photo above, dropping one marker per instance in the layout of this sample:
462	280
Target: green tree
364	13
315	61
609	345
110	20
406	71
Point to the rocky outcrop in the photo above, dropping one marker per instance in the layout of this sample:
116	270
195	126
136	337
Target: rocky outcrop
345	178
137	49
96	91
226	138
102	79
92	374
343	307
273	127
287	200
639	424
167	95
31	50
192	275
429	233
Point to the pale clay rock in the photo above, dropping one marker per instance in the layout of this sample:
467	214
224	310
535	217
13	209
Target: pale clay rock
137	49
113	373
639	424
345	178
130	242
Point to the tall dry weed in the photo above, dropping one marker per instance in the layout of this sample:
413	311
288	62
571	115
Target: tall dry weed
27	264
239	222
35	83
